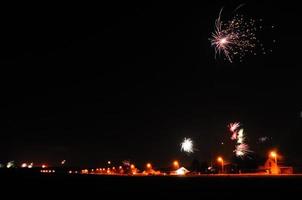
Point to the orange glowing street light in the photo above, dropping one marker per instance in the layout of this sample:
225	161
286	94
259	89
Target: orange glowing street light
149	166
274	155
220	159
176	164
132	166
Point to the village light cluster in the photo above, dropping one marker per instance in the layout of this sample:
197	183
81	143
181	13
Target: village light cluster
220	166
270	167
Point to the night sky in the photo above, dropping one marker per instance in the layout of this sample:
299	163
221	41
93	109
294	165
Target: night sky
96	82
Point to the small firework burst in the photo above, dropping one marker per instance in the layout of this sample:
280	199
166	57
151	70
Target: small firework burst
126	163
187	145
234	126
242	150
264	139
235	38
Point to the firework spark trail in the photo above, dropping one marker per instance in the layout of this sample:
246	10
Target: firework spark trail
187	145
240	6
235	37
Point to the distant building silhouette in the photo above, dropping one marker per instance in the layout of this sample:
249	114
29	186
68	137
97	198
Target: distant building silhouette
271	167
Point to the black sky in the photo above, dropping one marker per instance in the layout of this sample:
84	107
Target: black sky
93	82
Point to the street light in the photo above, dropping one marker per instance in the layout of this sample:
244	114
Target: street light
220	159
149	166
274	155
176	164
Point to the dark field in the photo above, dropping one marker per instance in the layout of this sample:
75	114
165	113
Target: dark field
38	186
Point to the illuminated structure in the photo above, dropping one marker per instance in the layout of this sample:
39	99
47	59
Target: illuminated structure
180	172
272	166
220	160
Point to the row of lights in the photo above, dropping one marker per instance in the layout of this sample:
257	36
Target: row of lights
47	171
72	172
25	165
132	167
272	154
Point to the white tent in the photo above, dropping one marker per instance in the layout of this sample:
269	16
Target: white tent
180	171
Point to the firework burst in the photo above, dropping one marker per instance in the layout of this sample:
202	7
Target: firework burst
187	145
234	38
241	148
233	128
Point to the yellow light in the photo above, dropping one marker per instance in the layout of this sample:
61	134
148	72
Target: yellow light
120	167
176	164
149	166
273	154
109	162
132	166
220	159
44	166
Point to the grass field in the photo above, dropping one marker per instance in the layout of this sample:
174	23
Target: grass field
102	187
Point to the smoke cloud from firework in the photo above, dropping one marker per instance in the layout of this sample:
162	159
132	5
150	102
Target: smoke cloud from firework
264	139
235	38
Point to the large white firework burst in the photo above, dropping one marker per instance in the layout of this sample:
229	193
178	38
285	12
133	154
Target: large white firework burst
234	38
187	145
